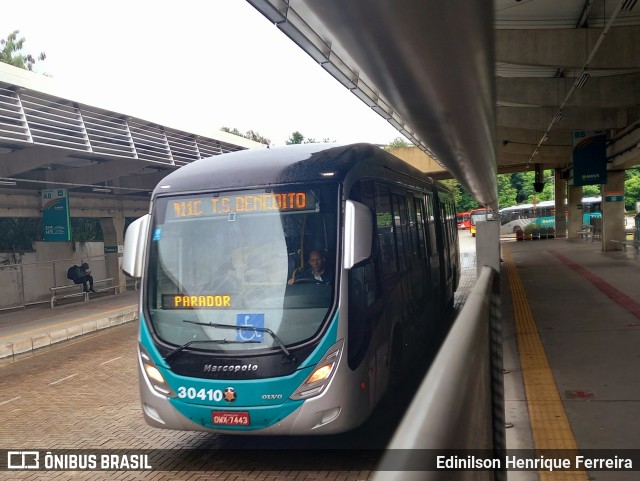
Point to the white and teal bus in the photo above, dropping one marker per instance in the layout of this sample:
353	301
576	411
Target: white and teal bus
230	343
543	214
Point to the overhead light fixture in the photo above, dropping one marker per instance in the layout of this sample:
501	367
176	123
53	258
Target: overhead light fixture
101	189
558	116
8	182
628	5
582	80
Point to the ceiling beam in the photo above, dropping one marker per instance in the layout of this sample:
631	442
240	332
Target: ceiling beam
599	92
569	48
538	118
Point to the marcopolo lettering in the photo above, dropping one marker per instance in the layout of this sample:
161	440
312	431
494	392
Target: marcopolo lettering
230	367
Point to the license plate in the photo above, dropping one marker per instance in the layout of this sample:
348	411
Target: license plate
227	418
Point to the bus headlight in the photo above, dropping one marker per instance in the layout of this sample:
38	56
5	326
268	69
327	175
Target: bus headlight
152	374
321	375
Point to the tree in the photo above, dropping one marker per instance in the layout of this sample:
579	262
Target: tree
632	192
10	52
250	134
295	138
397	143
506	191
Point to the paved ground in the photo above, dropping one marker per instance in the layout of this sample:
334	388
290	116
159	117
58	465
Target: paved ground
82	393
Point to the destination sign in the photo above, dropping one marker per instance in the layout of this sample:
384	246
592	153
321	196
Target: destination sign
203	301
191	207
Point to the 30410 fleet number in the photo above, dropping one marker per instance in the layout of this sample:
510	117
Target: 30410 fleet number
203	394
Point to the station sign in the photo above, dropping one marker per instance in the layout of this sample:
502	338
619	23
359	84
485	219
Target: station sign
55	215
589	157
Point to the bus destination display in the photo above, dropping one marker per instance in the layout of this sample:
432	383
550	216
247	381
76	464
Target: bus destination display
193	207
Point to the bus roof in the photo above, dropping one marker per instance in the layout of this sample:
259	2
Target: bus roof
278	165
548	203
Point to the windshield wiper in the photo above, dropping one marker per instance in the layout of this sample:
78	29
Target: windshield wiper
290	357
196	341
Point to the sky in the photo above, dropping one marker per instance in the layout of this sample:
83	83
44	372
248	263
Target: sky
195	65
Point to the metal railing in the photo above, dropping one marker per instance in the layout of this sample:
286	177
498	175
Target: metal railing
25	284
459	407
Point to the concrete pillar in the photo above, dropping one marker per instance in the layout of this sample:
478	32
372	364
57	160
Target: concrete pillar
560	196
574	207
488	244
113	230
613	210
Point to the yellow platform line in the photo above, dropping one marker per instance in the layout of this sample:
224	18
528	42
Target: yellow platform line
549	424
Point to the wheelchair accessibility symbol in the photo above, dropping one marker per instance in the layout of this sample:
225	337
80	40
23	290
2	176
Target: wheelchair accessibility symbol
249	327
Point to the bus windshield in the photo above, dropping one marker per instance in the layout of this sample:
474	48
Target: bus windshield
230	259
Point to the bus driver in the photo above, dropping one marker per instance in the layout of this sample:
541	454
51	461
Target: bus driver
316	270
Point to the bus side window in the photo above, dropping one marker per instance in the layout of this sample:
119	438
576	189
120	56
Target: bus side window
419	213
384	229
430	223
363	293
400	228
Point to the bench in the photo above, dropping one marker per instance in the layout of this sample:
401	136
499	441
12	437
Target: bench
132	282
76	290
586	232
631	243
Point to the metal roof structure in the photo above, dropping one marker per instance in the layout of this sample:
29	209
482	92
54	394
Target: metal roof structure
49	139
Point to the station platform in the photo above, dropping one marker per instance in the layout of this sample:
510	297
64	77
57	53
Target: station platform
34	327
571	320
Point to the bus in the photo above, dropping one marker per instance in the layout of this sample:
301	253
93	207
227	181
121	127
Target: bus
463	219
229	343
476	215
543	213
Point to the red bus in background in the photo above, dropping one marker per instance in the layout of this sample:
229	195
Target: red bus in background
477	215
463	220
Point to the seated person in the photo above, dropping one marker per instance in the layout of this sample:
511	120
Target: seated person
316	270
83	276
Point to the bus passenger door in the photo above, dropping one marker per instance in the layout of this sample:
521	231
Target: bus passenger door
433	255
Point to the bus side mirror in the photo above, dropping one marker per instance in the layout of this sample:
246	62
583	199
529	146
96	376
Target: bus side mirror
135	241
358	232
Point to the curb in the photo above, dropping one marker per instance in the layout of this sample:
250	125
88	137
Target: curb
39	341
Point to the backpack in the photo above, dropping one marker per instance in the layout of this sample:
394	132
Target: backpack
72	272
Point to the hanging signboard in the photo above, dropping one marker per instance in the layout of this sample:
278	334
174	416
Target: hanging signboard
55	215
589	158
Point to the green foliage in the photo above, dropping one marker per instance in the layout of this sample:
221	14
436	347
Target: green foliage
454	186
86	229
591	191
10	52
632	189
397	143
19	233
506	191
249	134
297	138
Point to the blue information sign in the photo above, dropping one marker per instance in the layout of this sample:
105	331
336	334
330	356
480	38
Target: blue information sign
55	215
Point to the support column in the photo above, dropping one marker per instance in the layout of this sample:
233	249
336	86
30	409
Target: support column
613	210
560	196
488	244
574	207
113	230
